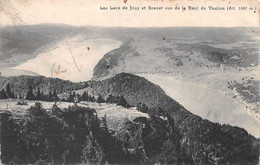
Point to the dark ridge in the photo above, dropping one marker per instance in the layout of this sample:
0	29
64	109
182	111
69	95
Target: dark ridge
112	59
233	144
189	138
20	84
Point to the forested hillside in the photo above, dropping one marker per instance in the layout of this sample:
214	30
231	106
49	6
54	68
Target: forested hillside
200	138
21	84
171	134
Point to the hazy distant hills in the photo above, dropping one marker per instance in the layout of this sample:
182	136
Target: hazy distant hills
177	53
21	43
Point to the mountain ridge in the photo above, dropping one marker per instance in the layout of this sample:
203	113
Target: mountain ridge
196	133
199	138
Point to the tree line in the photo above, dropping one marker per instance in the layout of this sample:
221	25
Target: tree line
5	94
119	100
52	96
73	97
8	93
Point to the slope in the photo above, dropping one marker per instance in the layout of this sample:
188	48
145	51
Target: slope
197	135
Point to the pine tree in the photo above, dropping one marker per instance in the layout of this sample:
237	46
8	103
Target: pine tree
104	122
84	96
30	95
70	98
122	101
79	97
93	98
74	97
38	95
54	95
43	97
50	98
142	107
9	93
100	99
110	99
74	94
20	96
3	94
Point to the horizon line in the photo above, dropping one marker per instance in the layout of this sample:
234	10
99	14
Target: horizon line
136	27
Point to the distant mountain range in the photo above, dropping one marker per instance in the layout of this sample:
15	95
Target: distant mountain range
173	45
177	56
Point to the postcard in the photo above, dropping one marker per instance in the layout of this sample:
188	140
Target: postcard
129	82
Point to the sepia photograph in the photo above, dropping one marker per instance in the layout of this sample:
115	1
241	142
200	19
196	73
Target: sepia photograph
129	82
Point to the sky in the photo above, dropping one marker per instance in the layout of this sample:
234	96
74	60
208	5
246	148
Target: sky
88	13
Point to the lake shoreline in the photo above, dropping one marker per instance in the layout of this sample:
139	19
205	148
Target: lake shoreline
208	103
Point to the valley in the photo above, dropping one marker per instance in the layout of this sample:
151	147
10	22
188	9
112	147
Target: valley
193	89
224	109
